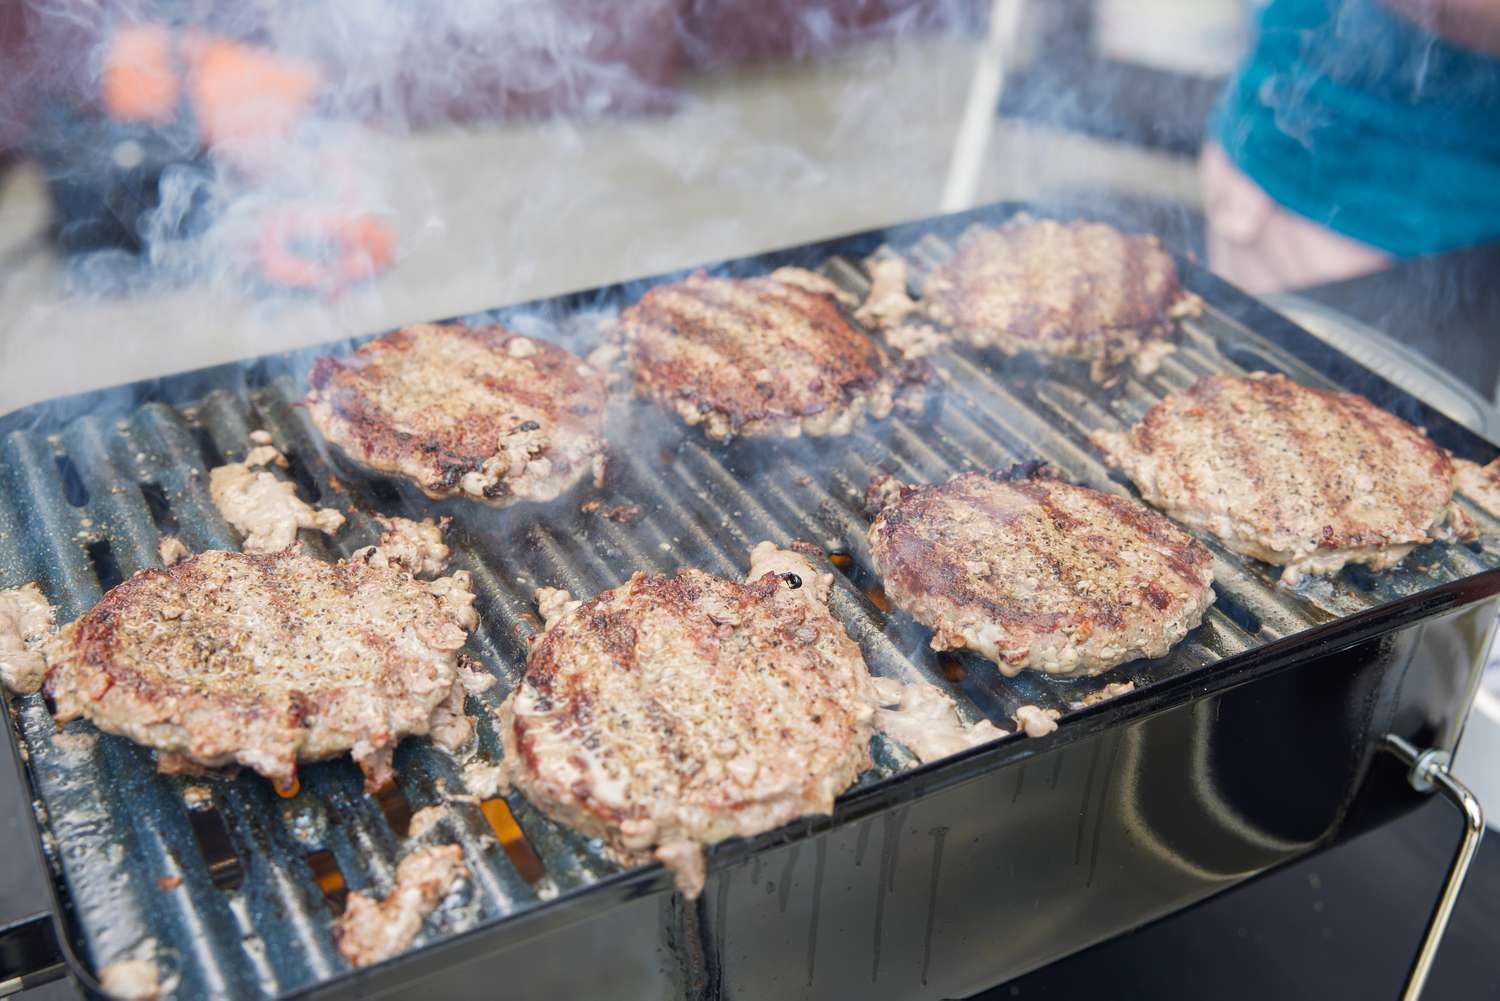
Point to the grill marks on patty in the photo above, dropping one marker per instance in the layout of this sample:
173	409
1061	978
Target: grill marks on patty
672	712
1079	290
483	413
1033	572
763	356
1309	478
266	660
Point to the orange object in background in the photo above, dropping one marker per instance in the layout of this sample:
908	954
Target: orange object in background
139	82
246	99
323	250
247	103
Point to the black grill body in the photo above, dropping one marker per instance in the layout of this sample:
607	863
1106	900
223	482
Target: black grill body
1250	744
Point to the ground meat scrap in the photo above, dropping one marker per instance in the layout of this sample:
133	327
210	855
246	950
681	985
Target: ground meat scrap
265	510
370	930
25	624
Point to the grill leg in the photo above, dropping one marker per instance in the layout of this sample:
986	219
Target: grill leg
29	956
1429	773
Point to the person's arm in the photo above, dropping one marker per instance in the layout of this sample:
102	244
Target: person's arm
1469	24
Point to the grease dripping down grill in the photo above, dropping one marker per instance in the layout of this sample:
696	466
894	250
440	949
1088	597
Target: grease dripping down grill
237	887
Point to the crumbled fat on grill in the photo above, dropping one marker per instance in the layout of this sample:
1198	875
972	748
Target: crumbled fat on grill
426	819
131	980
172	550
915	340
811	281
417	546
553	603
767	557
1036	721
1481	484
485	781
684	860
450	726
265	510
197	797
72	740
925	720
260	437
887	303
25	622
1110	691
369	931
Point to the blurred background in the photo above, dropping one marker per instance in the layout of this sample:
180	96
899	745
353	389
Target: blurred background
183	183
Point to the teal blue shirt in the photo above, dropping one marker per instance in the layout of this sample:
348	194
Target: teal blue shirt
1360	120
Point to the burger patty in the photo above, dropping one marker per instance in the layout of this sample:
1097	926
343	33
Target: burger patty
673	712
1308	478
267	660
760	357
479	413
1033	572
1079	290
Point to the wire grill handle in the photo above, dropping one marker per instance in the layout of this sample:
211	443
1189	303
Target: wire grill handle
1429	773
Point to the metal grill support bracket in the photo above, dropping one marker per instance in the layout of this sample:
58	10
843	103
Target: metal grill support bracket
1429	773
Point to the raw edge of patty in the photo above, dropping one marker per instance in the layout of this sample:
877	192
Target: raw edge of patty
1037	318
545	437
1329	540
952	555
708	386
105	666
668	634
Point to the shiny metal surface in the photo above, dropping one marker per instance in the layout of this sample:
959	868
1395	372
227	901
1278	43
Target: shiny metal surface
1429	771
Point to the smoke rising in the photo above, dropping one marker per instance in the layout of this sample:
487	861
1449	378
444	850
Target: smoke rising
515	150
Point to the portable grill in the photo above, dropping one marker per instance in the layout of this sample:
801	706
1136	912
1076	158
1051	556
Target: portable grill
1255	741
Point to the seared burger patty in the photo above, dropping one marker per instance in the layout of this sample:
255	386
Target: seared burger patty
1033	572
1308	478
1079	290
265	661
673	712
479	413
759	357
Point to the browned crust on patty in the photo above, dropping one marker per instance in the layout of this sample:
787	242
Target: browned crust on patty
264	660
762	356
1034	572
675	711
1310	478
482	413
1081	290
